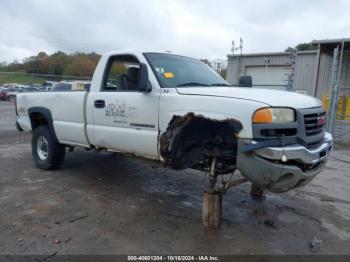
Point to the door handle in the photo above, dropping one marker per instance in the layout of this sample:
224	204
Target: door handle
99	103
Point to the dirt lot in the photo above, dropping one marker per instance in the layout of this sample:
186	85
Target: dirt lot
108	204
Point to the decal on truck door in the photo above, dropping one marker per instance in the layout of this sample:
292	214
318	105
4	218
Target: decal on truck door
120	109
122	114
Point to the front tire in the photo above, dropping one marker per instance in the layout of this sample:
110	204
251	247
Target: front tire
47	154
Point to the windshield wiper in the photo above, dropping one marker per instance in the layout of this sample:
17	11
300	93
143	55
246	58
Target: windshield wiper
192	84
219	84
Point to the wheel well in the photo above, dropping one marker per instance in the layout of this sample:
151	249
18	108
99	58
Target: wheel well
40	116
38	119
191	141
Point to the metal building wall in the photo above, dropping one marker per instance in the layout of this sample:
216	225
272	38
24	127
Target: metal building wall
232	69
237	64
305	69
345	74
324	75
305	72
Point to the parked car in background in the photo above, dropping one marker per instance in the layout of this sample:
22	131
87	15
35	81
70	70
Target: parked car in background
58	87
9	94
71	86
81	85
3	94
41	89
29	89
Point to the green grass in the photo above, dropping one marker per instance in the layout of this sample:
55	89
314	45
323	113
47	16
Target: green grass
20	79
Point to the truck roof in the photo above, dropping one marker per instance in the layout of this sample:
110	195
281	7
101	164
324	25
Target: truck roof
135	51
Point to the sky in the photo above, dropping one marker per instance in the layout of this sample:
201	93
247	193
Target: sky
197	28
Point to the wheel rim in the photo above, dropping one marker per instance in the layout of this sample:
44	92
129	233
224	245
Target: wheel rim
42	147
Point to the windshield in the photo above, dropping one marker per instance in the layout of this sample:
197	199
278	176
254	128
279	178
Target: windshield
179	71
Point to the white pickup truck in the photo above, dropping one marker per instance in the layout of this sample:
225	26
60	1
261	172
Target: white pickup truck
178	111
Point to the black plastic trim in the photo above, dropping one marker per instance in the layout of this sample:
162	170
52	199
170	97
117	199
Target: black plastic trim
308	141
269	143
48	116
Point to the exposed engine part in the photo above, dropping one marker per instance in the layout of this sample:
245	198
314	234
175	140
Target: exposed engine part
226	185
212	174
192	141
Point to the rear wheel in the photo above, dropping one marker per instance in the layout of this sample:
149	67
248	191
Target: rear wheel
46	153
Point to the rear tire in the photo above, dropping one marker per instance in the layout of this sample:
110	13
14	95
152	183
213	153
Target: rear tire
47	154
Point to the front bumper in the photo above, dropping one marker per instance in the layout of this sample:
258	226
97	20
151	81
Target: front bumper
281	168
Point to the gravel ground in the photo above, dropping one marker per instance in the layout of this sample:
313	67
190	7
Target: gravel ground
100	203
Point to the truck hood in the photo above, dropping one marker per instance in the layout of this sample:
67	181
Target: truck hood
266	96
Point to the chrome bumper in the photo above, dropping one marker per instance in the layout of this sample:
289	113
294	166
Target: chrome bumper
280	169
298	152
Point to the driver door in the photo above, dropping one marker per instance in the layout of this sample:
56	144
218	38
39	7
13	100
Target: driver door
125	119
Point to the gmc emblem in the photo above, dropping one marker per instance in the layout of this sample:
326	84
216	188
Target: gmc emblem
321	120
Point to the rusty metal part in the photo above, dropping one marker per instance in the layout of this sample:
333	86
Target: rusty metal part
212	174
257	191
228	184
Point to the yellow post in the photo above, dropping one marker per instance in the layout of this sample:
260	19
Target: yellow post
341	107
325	102
347	109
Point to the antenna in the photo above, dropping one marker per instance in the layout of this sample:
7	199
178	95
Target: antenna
240	47
241	44
233	46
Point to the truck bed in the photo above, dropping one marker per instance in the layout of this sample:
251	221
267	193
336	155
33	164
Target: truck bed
67	109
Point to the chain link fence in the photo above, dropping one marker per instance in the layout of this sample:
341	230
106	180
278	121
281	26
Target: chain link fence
341	130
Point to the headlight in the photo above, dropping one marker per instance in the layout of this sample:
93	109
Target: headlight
273	115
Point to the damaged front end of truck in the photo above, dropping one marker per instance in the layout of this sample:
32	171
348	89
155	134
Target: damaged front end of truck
278	158
191	141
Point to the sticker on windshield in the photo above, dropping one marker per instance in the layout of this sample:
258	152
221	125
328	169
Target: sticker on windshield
168	75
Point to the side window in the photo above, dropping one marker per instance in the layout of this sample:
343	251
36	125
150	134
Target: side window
122	74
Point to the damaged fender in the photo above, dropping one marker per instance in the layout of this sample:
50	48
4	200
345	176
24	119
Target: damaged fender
191	140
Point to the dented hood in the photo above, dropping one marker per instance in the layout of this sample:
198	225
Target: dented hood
266	96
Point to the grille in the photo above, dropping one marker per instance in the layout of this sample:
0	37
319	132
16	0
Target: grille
312	125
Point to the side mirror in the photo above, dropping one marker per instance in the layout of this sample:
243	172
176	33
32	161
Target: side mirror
245	81
143	84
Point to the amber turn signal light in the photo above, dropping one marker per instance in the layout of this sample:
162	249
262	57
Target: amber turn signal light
262	116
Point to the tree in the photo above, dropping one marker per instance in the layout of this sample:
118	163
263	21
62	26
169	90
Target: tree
80	66
290	49
206	61
301	47
223	73
59	63
41	56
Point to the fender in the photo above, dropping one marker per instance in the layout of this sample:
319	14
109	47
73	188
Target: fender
48	116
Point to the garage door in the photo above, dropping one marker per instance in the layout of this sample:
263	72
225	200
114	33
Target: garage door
269	76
